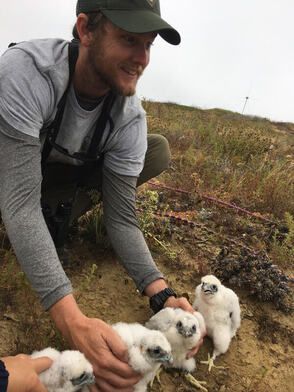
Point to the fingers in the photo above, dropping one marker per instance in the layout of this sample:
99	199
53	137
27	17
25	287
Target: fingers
93	388
116	345
119	358
117	380
41	364
111	372
38	387
104	386
118	375
121	369
181	302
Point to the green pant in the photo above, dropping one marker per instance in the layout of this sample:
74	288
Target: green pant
60	180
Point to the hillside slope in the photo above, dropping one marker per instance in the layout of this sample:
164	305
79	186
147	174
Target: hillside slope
229	212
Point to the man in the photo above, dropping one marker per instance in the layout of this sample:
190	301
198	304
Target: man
115	37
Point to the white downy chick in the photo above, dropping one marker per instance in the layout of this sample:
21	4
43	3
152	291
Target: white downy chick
70	371
220	308
183	330
147	350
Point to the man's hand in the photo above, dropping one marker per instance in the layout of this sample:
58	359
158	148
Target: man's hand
23	373
101	345
181	302
107	353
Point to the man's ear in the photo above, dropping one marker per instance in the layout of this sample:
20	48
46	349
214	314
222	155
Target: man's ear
85	35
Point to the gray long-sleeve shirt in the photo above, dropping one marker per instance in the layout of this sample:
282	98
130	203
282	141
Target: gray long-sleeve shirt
28	99
20	178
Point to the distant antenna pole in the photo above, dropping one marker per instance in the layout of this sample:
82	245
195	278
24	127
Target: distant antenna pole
245	103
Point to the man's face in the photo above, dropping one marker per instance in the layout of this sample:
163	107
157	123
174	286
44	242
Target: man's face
118	58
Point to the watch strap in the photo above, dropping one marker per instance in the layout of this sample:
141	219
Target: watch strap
158	300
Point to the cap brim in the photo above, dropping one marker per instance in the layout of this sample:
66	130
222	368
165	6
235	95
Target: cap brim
143	21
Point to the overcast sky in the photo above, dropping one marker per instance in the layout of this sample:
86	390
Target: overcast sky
230	49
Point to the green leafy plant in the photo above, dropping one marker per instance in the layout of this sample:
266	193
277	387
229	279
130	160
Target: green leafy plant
92	223
283	245
148	205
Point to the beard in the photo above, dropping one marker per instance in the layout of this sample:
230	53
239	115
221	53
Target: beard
103	68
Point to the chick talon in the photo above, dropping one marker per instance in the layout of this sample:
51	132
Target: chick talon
210	363
157	377
197	384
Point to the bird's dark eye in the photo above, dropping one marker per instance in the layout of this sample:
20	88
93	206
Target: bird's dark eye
157	350
82	376
179	324
194	328
214	288
79	380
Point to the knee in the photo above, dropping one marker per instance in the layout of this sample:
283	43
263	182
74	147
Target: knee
161	152
157	158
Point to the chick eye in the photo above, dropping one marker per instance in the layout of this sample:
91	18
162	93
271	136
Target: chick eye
79	380
194	328
82	376
179	324
213	287
157	350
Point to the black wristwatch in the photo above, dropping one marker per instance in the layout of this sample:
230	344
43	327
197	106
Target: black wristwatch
157	301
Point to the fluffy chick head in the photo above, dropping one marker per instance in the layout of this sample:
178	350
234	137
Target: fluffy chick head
210	285
75	368
186	324
155	347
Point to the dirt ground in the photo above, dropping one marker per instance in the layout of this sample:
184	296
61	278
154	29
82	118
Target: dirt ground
260	358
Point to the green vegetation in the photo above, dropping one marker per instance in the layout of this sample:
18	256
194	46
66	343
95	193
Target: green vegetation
243	160
148	205
283	244
91	224
232	156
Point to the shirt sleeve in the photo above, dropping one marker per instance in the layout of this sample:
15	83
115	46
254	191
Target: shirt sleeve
20	194
25	92
3	377
119	194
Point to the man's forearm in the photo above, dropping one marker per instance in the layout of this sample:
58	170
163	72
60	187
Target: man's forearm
122	227
65	313
20	192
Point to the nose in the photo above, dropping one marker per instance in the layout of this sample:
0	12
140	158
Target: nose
142	56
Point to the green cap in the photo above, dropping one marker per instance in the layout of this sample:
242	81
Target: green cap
134	16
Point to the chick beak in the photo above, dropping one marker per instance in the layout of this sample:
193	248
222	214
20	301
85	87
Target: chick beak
167	358
187	332
206	288
85	379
